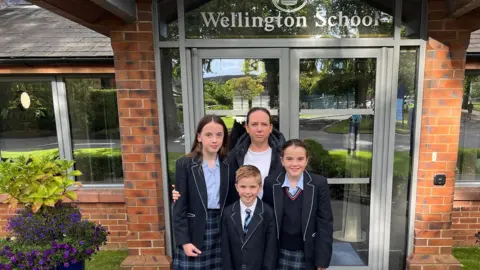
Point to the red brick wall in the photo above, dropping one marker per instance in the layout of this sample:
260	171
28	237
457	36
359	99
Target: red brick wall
440	129
102	207
138	116
466	216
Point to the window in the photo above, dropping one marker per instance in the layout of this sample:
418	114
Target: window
94	129
27	130
35	116
468	161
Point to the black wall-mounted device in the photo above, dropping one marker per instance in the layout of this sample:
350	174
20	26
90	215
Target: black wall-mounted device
439	179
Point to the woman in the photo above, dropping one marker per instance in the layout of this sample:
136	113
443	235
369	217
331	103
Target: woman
203	178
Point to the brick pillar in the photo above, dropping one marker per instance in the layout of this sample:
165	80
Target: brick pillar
138	114
442	100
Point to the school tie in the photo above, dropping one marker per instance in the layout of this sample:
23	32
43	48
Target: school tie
248	217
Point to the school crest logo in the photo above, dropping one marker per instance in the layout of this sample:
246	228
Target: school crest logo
289	6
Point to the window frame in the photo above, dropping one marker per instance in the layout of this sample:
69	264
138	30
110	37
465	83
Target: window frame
60	106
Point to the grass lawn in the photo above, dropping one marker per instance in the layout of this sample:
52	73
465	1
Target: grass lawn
468	256
341	127
366	127
106	260
228	120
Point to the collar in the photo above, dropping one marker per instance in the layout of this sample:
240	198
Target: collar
243	207
205	164
286	182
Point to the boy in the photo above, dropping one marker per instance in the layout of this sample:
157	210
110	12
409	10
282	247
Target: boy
249	237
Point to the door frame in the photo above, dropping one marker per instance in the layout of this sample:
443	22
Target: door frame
383	134
383	138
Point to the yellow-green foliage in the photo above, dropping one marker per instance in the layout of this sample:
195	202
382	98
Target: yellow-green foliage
37	181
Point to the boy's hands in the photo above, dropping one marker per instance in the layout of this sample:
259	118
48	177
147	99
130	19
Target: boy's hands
175	194
191	250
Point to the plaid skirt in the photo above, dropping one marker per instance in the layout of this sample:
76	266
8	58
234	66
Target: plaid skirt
291	260
211	257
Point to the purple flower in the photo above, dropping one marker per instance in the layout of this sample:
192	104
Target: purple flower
66	264
41	262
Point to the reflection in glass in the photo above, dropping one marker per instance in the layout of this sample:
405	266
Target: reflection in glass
173	108
93	115
167	21
290	19
411	18
232	86
468	162
351	215
29	131
336	122
404	146
337	99
173	114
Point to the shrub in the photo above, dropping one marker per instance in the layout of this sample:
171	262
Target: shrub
37	181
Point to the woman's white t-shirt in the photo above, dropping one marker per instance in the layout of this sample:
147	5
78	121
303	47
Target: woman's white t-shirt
262	161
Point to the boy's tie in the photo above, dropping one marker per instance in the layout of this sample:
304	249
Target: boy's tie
248	217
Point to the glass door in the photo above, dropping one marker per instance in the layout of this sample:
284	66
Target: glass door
338	106
228	82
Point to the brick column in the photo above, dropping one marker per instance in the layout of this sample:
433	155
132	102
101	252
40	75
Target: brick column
140	141
442	100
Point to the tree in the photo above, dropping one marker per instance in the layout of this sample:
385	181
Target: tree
247	87
217	94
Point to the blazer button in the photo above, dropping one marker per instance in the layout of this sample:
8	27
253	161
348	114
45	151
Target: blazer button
244	266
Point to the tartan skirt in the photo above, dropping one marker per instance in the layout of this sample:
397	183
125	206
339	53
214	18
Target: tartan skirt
291	260
211	257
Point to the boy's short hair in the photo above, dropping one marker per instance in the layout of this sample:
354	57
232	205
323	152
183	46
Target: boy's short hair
246	171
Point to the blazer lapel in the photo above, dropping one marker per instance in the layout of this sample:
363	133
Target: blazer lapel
257	218
200	183
224	183
236	218
278	194
308	198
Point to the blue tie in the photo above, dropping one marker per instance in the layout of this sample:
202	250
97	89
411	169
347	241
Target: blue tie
247	220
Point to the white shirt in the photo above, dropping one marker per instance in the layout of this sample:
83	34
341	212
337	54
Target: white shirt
262	161
243	214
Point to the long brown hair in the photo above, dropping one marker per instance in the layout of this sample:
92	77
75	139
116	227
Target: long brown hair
196	150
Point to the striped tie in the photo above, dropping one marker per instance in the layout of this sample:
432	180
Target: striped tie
247	220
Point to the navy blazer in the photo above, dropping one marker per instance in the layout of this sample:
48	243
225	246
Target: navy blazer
258	249
190	210
317	217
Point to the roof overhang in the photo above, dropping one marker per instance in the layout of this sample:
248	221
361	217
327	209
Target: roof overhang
102	16
458	8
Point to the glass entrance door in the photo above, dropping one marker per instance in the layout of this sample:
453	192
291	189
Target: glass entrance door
338	101
339	108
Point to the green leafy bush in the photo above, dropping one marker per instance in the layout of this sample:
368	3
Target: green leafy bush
37	181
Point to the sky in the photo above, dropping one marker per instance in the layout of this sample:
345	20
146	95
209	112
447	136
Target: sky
220	67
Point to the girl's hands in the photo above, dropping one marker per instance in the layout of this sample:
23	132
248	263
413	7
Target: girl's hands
191	250
175	194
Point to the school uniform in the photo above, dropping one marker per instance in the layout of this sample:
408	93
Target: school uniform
197	213
252	246
306	244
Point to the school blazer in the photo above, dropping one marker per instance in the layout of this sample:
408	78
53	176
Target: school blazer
255	251
317	218
190	210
